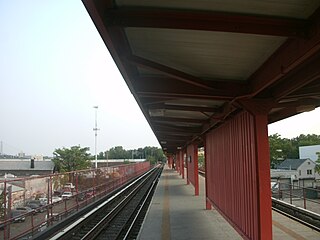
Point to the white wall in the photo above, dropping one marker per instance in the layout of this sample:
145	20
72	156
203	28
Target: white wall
307	165
309	152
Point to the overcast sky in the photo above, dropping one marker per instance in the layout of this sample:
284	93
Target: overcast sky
54	67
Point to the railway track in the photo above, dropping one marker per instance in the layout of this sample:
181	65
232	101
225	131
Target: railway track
118	217
300	215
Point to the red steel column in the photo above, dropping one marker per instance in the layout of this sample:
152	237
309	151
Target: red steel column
188	168
195	169
182	162
263	169
260	109
178	162
208	203
169	161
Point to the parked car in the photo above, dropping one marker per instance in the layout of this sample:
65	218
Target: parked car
81	196
36	207
90	193
56	199
57	192
53	217
43	200
38	202
18	216
1	225
66	195
275	191
69	186
26	209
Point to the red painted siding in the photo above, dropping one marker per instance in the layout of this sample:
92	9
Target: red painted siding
232	173
192	151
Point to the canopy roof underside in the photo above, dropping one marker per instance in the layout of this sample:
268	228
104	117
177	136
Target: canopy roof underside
193	64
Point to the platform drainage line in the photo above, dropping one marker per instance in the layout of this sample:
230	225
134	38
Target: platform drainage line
166	211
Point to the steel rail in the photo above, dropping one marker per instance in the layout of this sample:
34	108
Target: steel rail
147	198
296	219
67	232
105	221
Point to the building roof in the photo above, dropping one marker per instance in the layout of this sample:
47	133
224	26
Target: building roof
292	164
24	165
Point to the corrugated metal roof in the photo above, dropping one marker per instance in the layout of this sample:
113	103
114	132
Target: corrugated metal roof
292	164
204	54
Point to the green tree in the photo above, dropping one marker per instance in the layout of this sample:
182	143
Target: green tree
101	156
317	168
118	152
154	154
280	149
75	158
151	159
2	207
201	163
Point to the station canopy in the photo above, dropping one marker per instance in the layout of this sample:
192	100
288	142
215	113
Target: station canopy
192	65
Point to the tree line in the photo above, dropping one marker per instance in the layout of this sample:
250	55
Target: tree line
78	158
285	148
118	152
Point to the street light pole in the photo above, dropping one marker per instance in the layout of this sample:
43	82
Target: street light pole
95	137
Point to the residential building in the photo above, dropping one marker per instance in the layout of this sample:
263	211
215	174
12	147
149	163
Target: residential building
301	172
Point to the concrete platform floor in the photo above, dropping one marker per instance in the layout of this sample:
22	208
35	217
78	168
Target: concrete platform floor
175	213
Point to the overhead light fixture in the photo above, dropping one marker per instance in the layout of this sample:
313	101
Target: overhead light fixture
178	148
163	142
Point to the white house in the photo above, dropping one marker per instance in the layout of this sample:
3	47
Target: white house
305	175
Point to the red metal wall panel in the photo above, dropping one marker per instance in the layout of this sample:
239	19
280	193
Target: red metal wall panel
178	162
182	160
170	161
232	173
192	166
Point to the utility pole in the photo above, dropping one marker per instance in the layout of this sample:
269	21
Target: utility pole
95	137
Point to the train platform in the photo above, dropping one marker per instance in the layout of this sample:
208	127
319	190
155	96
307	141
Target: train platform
176	213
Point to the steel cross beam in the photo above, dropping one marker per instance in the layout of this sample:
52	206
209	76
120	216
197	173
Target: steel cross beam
206	21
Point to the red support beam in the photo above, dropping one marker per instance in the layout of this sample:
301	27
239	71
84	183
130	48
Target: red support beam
192	166
188	168
185	108
208	202
196	170
207	21
177	161
174	119
307	73
182	162
263	170
291	54
176	74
